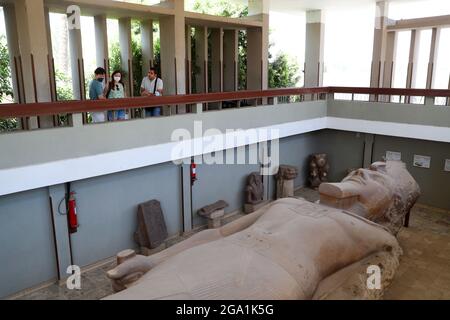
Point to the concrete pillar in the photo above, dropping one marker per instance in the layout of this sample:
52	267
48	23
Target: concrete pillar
435	38
187	196
201	50
388	66
258	47
314	52
51	70
188	60
76	63
379	44
413	58
369	140
14	52
217	60
60	228
33	44
230	60
101	42
147	45
126	52
216	64
173	51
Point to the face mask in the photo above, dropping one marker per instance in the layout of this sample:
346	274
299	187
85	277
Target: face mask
100	79
117	79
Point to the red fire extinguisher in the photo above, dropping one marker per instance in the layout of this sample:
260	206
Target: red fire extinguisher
73	219
193	173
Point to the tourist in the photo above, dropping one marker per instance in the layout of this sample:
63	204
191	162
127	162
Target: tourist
96	92
116	90
152	85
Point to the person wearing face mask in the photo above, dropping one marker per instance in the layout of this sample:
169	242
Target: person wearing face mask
152	85
116	90
96	88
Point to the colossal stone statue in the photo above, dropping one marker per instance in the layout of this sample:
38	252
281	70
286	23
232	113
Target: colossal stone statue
292	249
387	197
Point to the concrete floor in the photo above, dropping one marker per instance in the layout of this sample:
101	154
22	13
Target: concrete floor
424	271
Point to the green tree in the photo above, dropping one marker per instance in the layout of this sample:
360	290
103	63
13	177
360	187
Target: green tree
283	73
64	91
6	90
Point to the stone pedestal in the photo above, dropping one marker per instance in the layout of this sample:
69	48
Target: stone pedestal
148	252
215	219
214	213
285	189
285	181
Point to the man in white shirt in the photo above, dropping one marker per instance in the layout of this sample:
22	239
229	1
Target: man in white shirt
152	86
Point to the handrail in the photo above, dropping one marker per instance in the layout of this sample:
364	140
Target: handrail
78	106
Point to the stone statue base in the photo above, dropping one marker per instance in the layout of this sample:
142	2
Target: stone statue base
285	189
215	219
148	252
250	208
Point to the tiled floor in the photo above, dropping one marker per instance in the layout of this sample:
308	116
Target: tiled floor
424	271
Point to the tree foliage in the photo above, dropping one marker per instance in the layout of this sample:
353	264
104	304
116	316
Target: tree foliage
283	73
6	90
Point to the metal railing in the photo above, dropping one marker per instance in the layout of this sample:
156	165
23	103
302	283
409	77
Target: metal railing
236	99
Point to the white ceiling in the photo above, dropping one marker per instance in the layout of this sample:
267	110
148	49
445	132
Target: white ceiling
302	5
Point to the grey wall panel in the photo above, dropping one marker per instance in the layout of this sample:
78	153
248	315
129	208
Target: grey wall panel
220	182
27	250
107	208
345	151
390	112
295	151
434	182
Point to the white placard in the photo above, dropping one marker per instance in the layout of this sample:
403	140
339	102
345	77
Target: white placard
422	162
393	156
447	165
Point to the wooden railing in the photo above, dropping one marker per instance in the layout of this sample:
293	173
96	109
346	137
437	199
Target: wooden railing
78	106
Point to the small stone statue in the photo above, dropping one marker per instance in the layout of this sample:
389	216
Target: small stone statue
254	193
285	181
214	213
318	170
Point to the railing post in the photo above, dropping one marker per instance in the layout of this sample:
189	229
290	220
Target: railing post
330	96
429	101
77	120
198	108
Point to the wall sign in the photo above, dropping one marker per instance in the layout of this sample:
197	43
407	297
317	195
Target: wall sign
422	162
393	156
447	165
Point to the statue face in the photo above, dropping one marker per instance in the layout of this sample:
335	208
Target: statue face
374	191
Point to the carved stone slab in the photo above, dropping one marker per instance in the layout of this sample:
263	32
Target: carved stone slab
152	230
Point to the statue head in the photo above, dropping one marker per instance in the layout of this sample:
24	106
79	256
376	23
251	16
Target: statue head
254	179
320	159
382	193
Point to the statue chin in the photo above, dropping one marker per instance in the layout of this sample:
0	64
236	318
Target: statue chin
291	249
